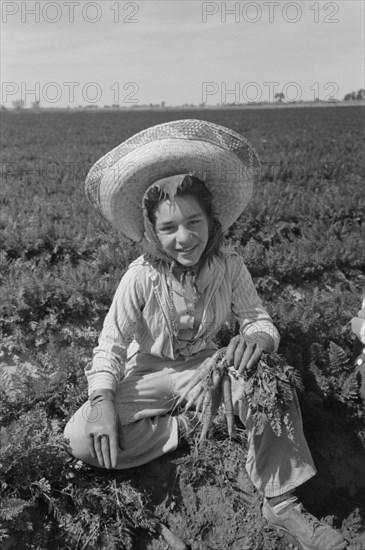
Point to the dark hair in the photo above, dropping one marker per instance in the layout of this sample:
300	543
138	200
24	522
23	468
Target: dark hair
189	186
195	187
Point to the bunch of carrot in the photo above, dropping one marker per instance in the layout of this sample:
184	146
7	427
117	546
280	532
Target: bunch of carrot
268	389
209	387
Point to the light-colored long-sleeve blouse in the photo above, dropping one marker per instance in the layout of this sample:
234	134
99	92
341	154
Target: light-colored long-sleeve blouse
140	317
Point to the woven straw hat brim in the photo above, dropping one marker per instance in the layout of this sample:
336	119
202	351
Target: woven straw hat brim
228	165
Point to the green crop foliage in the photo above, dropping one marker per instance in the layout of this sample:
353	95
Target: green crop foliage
302	240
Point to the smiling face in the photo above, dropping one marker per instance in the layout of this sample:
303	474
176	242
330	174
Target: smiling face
182	228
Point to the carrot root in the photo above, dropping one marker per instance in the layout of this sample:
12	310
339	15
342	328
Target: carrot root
228	403
195	396
208	387
199	375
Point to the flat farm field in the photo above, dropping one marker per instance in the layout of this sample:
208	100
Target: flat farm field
302	239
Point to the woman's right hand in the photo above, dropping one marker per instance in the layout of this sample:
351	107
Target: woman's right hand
103	430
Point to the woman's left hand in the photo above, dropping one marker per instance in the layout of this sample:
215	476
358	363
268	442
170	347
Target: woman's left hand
244	353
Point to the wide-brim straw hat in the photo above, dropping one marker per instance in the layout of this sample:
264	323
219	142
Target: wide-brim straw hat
222	158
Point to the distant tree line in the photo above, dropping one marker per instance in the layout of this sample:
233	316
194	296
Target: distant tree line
353	95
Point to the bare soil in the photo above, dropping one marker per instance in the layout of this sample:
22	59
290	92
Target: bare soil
206	498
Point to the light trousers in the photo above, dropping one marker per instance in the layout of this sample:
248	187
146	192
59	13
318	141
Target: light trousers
144	400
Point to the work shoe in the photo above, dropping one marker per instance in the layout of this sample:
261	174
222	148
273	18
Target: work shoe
308	530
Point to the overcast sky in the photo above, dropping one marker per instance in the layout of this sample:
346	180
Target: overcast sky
179	51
